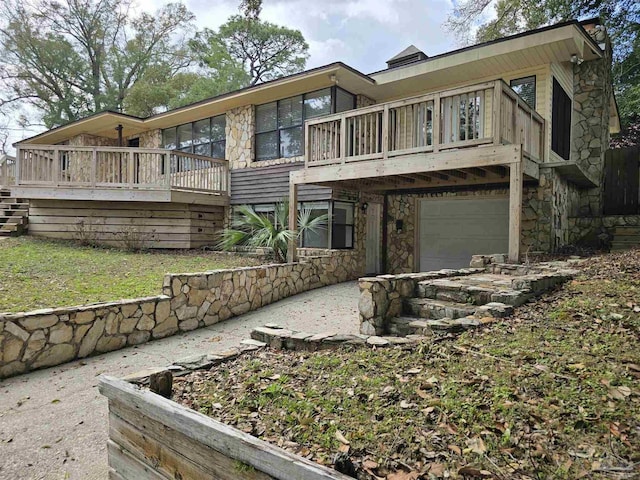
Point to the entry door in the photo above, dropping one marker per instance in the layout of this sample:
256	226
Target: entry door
452	230
372	239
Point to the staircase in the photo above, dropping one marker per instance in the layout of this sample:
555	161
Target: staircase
461	303
625	238
14	215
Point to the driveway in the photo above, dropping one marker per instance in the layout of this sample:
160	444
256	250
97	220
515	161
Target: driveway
53	422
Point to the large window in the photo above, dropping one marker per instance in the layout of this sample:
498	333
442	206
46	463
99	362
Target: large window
204	137
561	122
338	234
526	88
279	124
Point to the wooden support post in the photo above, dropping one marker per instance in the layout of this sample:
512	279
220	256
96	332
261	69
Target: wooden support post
292	252
515	210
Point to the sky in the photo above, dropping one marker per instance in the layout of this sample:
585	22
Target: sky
361	33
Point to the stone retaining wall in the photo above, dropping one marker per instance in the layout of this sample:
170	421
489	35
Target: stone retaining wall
44	338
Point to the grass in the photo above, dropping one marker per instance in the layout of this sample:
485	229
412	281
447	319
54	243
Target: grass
39	273
549	394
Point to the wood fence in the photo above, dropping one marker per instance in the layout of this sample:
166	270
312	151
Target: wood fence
622	181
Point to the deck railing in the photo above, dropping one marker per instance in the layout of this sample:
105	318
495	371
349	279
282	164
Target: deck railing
460	118
7	171
120	168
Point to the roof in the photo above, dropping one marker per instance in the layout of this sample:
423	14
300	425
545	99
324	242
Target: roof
555	41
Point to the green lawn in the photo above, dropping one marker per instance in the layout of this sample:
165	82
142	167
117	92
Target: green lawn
38	273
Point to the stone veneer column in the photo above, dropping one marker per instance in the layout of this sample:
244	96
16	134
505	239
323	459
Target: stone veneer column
590	126
240	127
150	139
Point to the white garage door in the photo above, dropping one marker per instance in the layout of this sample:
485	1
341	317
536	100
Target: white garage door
451	230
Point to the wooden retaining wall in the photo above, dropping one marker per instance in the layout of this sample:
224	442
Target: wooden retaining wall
155	225
152	438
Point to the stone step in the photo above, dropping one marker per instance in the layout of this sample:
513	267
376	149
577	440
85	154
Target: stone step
435	309
624	231
405	326
13	219
13	211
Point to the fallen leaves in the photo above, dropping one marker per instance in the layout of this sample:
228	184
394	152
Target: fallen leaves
550	390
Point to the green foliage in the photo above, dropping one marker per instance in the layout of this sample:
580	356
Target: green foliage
252	229
263	50
621	18
77	57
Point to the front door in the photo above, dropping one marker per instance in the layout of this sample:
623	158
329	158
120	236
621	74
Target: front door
372	239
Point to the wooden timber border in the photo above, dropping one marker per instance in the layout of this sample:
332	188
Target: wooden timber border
153	438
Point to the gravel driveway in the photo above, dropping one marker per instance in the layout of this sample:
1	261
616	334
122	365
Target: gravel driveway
53	422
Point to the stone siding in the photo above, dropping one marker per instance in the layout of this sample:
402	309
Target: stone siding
87	140
590	125
239	131
150	138
44	338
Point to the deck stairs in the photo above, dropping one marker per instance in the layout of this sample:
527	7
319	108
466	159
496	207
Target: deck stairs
625	238
461	303
14	215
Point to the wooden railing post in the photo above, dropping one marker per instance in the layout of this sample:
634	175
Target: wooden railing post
307	144
57	160
385	132
167	170
343	139
496	128
131	169
18	165
94	167
436	123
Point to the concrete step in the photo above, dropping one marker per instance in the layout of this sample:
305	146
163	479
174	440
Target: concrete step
435	309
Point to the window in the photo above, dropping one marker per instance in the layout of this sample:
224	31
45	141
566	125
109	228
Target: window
339	234
526	88
342	225
279	125
205	137
561	122
320	238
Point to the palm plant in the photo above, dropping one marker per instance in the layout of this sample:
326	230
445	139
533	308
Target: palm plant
252	229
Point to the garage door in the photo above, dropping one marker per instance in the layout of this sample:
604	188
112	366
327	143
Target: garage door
451	230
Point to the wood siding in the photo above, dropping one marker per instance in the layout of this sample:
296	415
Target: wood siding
270	185
155	225
621	181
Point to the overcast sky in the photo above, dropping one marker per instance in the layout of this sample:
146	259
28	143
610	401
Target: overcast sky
361	33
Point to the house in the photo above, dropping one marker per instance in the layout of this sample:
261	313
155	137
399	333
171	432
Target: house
490	148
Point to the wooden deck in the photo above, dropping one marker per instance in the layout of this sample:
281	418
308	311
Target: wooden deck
477	135
61	172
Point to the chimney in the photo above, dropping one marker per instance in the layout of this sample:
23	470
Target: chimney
406	57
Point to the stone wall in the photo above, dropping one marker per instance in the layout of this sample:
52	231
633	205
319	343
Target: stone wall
585	230
43	338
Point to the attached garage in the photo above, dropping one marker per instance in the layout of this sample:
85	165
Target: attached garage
451	230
